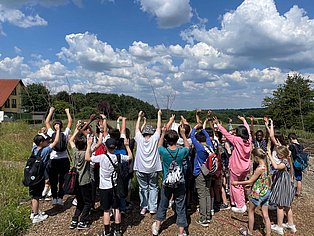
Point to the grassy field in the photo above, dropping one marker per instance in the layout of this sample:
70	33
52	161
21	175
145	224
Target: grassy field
15	145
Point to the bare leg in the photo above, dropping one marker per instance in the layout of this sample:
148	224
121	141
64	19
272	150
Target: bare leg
266	219
251	217
289	215
280	215
35	205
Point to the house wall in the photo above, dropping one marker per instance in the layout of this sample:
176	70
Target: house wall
18	98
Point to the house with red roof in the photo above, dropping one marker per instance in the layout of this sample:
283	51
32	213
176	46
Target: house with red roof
11	95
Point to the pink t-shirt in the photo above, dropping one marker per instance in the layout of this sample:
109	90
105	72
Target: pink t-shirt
239	162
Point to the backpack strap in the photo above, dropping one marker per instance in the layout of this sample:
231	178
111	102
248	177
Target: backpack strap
114	166
171	154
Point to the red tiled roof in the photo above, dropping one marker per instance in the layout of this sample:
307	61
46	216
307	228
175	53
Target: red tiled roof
6	88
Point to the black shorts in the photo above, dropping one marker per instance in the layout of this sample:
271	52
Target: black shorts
108	199
37	190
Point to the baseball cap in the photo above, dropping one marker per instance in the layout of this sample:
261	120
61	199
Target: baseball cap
148	129
111	143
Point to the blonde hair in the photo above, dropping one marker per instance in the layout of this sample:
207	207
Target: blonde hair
284	153
258	153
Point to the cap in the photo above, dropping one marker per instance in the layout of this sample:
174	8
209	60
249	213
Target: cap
46	137
148	129
111	143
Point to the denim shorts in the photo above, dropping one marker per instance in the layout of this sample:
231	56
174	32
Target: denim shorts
261	201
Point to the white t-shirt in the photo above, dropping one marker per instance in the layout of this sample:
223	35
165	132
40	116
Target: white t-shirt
59	155
175	126
147	159
107	169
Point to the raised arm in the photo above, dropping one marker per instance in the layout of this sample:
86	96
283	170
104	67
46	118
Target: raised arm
162	137
170	122
57	138
137	126
123	125
271	132
86	124
67	112
144	123
182	132
118	123
48	118
208	140
252	126
279	166
228	136
88	152
197	116
128	149
101	135
158	129
104	123
76	131
246	126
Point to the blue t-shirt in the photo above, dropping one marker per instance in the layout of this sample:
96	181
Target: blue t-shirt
45	153
178	153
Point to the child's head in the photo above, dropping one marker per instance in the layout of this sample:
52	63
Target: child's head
111	144
258	154
57	122
41	140
279	136
187	129
114	133
200	137
148	130
259	135
282	152
171	137
292	136
80	142
242	132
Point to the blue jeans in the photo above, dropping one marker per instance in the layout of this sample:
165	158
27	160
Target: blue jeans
148	190
179	199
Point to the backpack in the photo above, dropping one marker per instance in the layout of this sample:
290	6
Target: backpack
174	175
62	144
301	159
70	184
120	190
34	171
210	165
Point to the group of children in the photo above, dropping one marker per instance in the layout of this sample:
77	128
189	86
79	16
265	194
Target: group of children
241	160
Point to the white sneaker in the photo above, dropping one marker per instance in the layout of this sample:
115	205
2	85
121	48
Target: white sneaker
143	211
39	212
49	194
277	229
74	202
45	191
155	230
212	212
170	204
39	217
239	209
60	201
289	227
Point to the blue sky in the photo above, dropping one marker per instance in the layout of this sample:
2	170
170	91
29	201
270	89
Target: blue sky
201	53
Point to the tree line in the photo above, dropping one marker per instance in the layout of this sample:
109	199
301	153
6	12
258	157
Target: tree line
290	106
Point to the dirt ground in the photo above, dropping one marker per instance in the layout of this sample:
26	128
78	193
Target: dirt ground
223	223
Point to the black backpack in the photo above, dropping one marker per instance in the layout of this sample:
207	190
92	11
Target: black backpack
34	171
62	144
120	190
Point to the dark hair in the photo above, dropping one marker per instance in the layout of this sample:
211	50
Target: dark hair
280	137
57	122
200	136
80	141
38	139
292	136
187	130
127	133
242	132
114	133
259	131
171	137
210	132
219	135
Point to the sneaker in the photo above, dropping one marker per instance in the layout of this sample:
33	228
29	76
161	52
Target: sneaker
212	212
74	202
203	223
60	202
184	234
292	228
170	204
45	191
82	225
49	194
143	211
224	207
39	212
47	198
152	212
73	224
38	218
239	209
277	229
155	230
117	233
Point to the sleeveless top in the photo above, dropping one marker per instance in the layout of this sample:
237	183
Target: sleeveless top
261	185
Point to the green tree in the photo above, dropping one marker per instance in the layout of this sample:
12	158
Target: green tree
35	97
291	103
62	96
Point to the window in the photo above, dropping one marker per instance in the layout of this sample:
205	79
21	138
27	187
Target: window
13	103
14	92
7	103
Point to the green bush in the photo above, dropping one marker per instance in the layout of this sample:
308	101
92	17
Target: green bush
13	215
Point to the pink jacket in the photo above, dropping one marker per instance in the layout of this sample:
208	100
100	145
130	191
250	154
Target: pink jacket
239	161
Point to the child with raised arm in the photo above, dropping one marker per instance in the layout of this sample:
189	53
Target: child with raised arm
283	191
260	191
239	161
60	162
147	164
43	149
